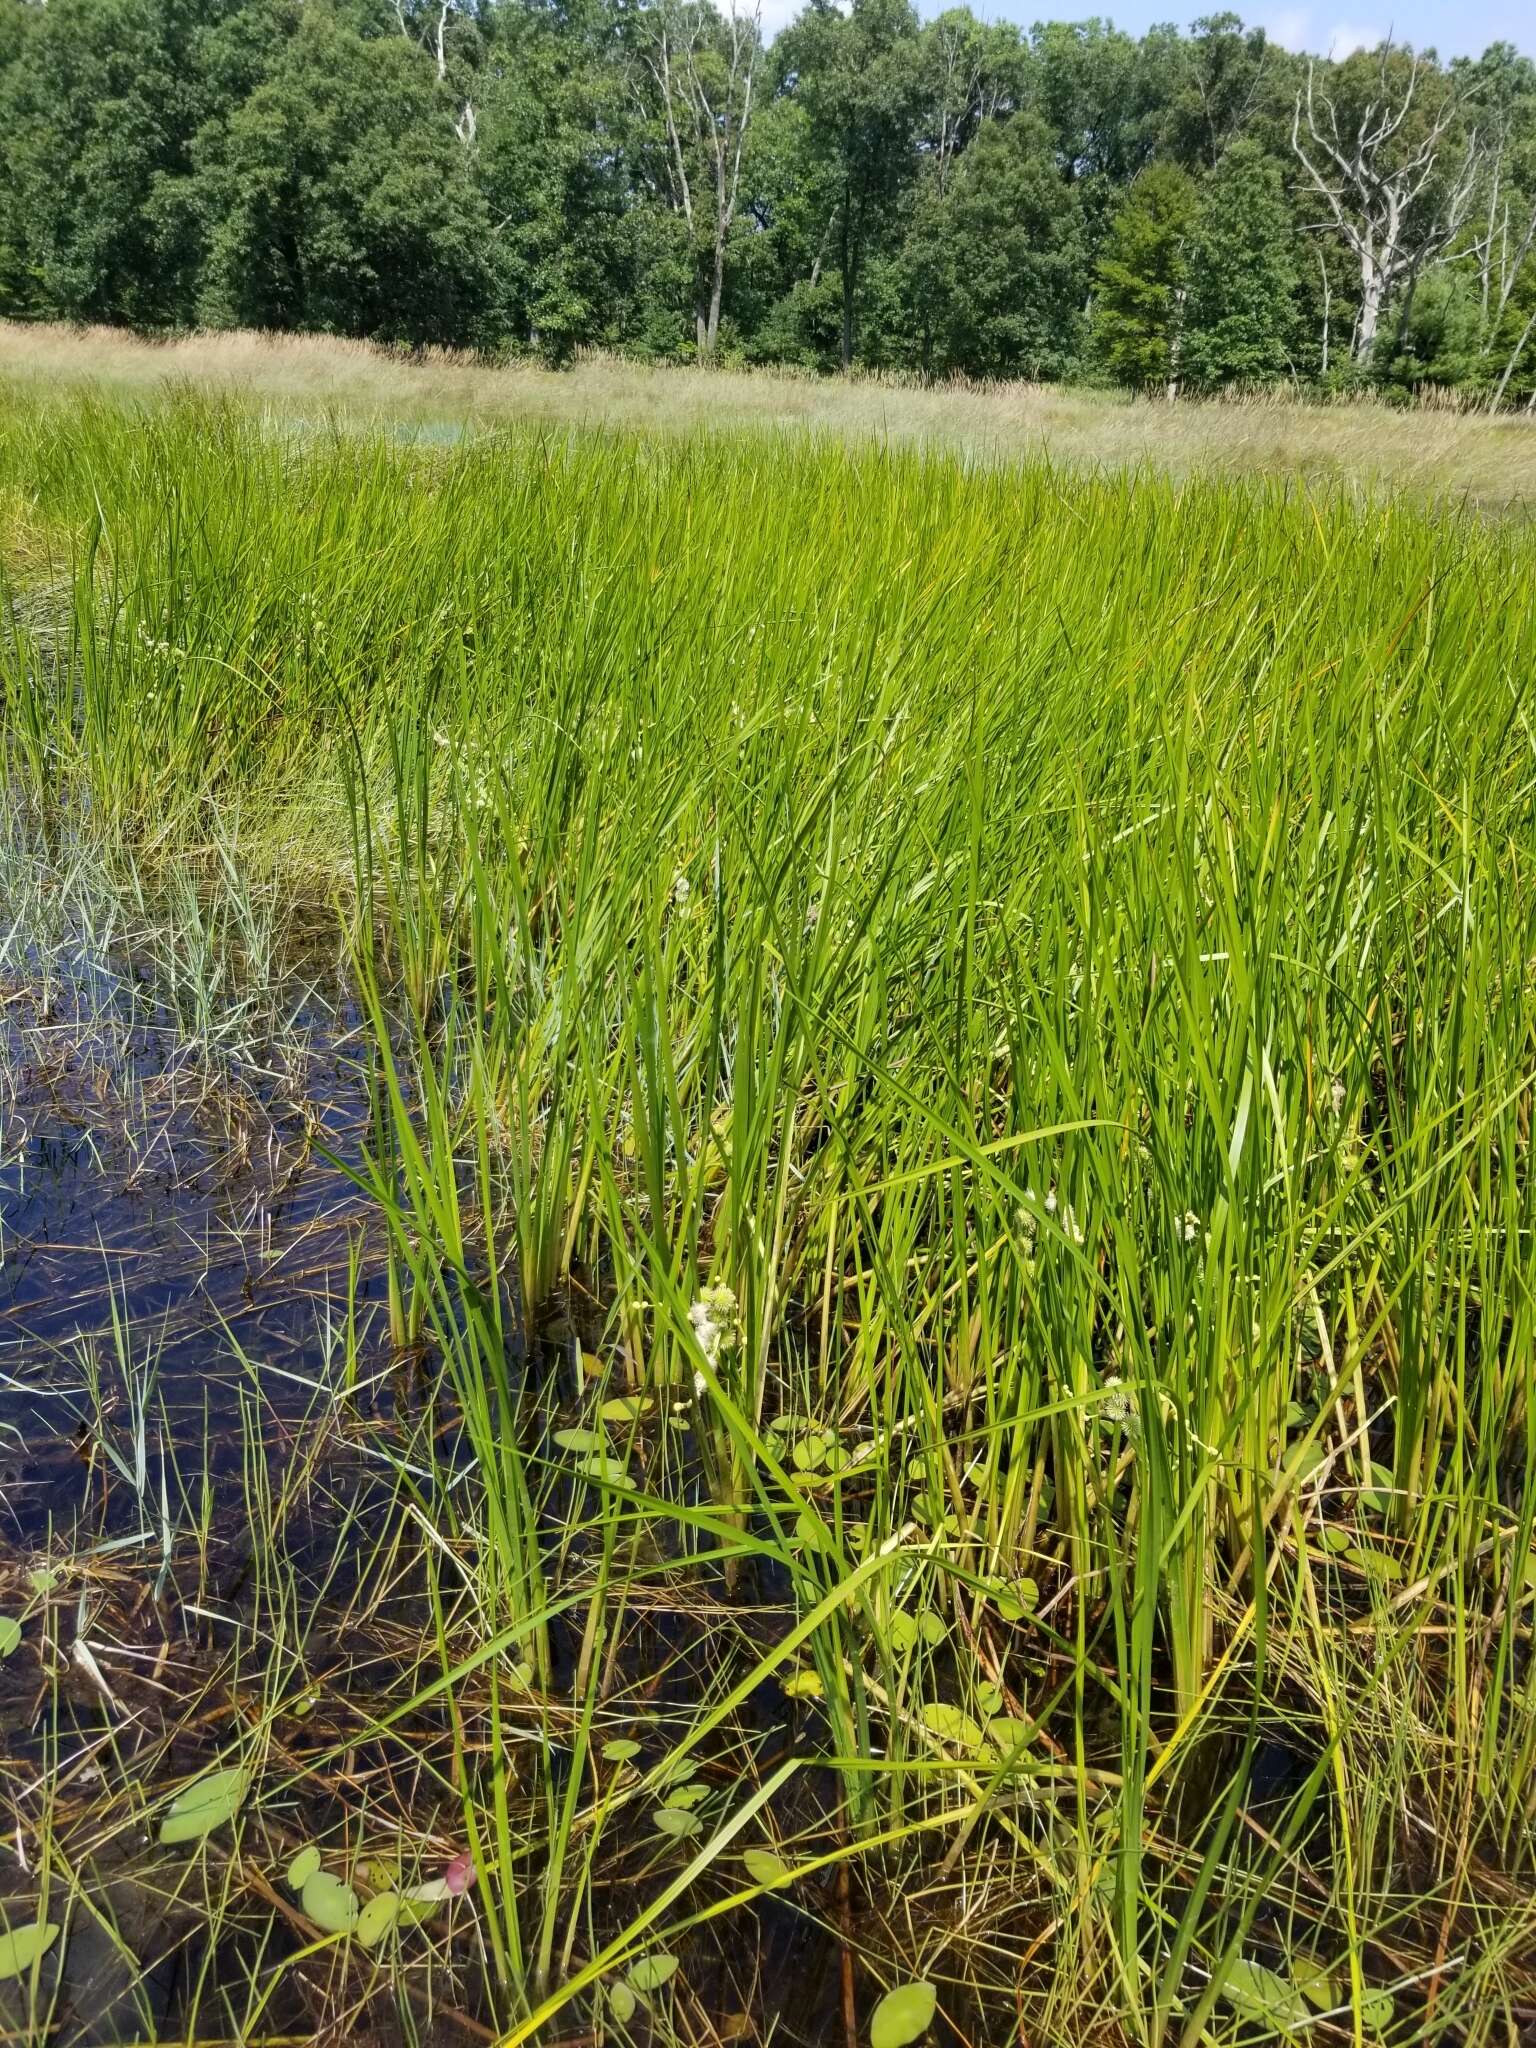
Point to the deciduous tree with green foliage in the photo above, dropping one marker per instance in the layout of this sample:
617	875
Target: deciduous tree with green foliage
995	262
1241	266
1142	281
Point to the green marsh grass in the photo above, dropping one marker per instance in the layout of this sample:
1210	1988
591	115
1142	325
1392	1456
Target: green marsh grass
952	1062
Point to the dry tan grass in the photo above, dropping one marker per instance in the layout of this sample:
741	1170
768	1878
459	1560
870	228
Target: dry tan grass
1431	448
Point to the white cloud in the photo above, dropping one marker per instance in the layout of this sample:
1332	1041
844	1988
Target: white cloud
1292	28
1289	28
773	14
1346	36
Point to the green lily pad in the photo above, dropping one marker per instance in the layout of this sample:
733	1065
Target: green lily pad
1015	1601
1376	1564
951	1725
620	1750
902	1633
763	1867
626	1408
675	1821
1316	1983
377	1918
903	2015
1376	2010
10	1634
608	1469
204	1805
1265	1994
1006	1731
331	1904
651	1972
303	1868
688	1796
20	1947
814	1450
622	2003
580	1440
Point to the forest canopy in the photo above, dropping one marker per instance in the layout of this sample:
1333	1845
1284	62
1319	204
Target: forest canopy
1176	212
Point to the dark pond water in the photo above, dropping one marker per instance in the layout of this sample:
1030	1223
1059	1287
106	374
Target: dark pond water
174	1238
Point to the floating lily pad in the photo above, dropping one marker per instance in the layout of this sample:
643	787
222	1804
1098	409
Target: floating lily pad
303	1867
686	1797
951	1725
1005	1732
20	1947
763	1867
902	1633
580	1440
377	1918
1376	1564
10	1634
610	1470
626	1408
1316	1983
903	2015
1337	1538
620	1750
814	1450
1014	1601
331	1904
1265	1994
675	1821
622	2002
204	1805
651	1972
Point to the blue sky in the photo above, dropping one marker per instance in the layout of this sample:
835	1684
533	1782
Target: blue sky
1318	25
1461	31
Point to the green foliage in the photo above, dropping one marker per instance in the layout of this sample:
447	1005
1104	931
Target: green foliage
338	198
1238	315
948	196
1041	928
994	265
1142	279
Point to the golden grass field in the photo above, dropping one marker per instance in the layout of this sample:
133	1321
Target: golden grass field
1427	448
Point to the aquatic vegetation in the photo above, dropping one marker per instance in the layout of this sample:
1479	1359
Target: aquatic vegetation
919	1337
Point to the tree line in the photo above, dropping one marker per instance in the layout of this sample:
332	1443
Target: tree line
1175	212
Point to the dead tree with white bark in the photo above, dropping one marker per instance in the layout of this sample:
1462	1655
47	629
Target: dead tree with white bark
431	34
1398	200
704	71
